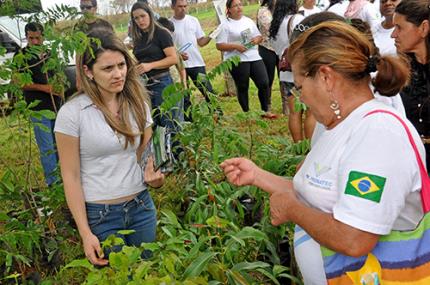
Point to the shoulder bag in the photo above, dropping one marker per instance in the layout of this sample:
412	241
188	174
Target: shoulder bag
283	64
401	257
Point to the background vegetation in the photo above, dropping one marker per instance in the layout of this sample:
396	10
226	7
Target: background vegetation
209	231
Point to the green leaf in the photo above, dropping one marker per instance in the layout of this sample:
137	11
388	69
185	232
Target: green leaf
199	265
170	218
249	266
269	275
80	263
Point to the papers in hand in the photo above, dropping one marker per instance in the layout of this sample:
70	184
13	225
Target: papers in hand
215	32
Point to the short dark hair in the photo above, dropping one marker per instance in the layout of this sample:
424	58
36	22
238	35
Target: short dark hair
33	27
166	23
174	2
93	2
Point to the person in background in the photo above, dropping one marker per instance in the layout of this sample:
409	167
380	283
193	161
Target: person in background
322	4
412	36
154	49
239	36
90	23
285	20
178	72
41	90
188	37
359	152
338	7
265	49
101	134
364	10
309	8
383	31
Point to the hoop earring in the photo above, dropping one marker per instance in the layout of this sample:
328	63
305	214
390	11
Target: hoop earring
334	105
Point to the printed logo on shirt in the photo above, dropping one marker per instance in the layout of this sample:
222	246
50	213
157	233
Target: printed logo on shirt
365	185
320	169
316	178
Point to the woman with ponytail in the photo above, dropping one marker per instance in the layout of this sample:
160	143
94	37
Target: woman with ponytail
361	179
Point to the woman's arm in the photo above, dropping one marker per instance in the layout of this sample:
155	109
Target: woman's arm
168	61
68	151
241	171
230	47
323	227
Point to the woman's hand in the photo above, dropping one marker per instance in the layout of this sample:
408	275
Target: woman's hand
256	40
240	48
143	67
151	177
93	251
281	205
239	171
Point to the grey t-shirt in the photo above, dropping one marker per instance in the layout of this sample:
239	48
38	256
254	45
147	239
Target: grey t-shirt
108	171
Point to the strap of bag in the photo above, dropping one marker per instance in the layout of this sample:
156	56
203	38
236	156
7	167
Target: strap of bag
289	28
425	180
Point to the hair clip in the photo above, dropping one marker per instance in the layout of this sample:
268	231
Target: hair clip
301	28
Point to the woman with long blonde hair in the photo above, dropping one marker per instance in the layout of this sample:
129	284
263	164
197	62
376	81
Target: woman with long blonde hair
101	134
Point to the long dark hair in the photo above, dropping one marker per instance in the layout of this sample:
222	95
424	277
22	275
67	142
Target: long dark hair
283	8
416	12
136	32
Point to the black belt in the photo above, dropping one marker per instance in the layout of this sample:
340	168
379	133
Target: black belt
159	75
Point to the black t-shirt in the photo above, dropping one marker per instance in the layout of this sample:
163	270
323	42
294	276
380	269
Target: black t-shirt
46	100
416	97
153	51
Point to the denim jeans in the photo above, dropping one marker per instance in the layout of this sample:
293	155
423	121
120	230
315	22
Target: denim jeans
46	143
138	214
171	118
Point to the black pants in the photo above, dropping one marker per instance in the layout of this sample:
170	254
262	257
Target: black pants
257	71
270	60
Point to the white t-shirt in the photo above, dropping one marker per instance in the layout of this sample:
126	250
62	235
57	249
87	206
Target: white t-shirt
394	102
282	42
370	15
188	30
339	8
108	171
308	12
240	32
369	154
383	40
322	4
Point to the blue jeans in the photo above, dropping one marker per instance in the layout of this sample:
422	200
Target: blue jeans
138	214
46	143
172	117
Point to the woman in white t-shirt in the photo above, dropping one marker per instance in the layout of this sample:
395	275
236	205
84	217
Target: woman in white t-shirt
239	36
309	8
101	134
285	19
364	10
382	32
359	153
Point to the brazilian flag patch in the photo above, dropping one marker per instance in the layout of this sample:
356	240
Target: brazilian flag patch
365	185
